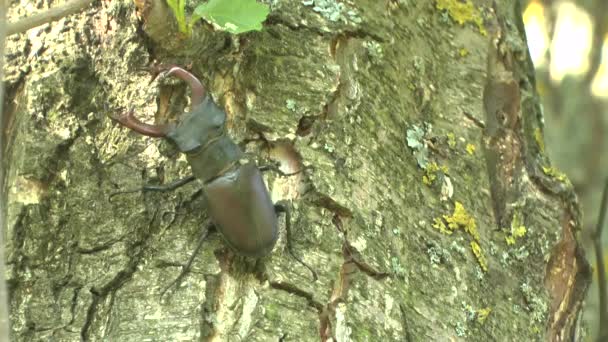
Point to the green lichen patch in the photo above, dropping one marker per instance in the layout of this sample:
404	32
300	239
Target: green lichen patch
374	51
416	141
537	305
333	11
291	105
397	268
417	138
462	13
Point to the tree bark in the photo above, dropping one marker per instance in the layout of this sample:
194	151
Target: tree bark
425	201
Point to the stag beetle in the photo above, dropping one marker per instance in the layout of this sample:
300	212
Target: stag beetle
238	201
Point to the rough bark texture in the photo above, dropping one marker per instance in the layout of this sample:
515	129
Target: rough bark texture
357	94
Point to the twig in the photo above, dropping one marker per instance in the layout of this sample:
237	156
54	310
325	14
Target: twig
47	16
4	327
600	12
599	260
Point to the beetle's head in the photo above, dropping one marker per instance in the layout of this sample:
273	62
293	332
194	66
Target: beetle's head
202	125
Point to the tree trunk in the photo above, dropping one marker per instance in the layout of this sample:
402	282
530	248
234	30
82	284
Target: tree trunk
425	202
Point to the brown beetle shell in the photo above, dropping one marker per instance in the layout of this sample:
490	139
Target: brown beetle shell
240	206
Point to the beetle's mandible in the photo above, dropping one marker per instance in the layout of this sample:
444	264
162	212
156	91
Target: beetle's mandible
238	201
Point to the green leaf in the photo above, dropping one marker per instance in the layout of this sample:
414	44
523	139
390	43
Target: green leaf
234	16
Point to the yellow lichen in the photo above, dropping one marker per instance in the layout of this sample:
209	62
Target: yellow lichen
471	149
463	52
428	181
481	259
518	230
461	219
462	13
451	140
440	225
431	172
555	173
538	136
482	314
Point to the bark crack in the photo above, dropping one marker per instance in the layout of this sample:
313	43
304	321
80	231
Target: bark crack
99	248
136	251
295	290
74	305
326	202
352	263
354	256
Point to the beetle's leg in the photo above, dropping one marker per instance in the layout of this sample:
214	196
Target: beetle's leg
171	186
166	187
282	207
188	265
275	168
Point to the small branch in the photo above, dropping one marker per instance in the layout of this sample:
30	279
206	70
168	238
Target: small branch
47	16
599	260
600	28
4	326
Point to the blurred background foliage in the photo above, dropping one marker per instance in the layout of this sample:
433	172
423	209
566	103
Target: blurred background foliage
568	42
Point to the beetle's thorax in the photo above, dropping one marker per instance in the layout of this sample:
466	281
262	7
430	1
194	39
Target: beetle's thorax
201	135
214	159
